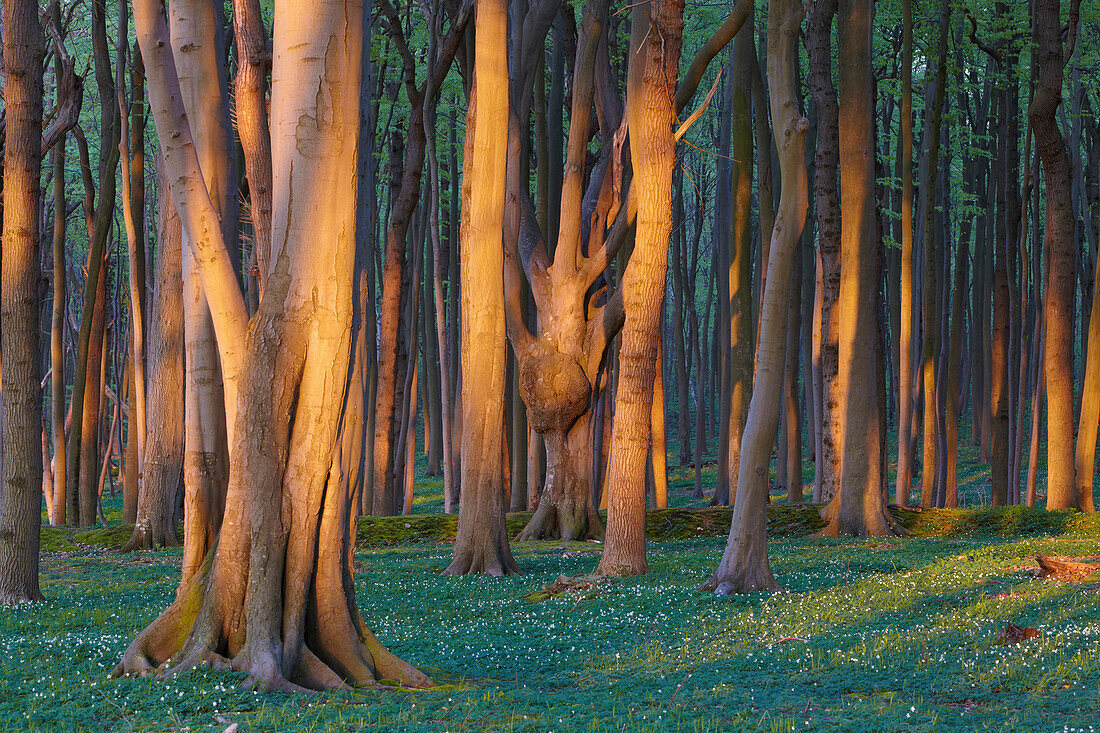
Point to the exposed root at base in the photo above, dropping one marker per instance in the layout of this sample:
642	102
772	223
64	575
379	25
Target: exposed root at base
742	580
553	522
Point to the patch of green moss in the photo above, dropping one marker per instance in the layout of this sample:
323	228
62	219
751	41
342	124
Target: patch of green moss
58	539
109	537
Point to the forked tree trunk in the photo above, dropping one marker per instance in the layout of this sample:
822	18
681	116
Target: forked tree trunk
20	511
744	567
859	506
162	480
557	369
482	542
275	600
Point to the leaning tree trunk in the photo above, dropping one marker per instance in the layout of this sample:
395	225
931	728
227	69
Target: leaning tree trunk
744	567
651	81
196	39
20	511
859	506
482	542
164	446
275	597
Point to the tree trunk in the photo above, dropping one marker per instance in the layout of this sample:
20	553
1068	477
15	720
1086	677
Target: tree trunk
827	208
482	542
155	525
274	599
905	321
650	112
249	94
21	509
744	567
196	40
859	507
1060	246
57	320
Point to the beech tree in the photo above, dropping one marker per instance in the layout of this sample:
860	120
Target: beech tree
275	599
744	567
20	510
482	544
655	40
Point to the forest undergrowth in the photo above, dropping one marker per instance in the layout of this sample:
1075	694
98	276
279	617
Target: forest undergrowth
867	635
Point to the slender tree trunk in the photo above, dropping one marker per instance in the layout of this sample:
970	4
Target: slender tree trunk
744	567
196	41
482	543
155	525
930	292
905	329
650	112
57	320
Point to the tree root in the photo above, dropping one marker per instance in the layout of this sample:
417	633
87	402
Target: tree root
746	579
568	523
145	538
879	524
483	561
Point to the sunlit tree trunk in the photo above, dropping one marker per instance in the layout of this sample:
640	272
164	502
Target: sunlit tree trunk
859	506
274	599
196	40
1060	244
655	42
828	217
21	509
482	543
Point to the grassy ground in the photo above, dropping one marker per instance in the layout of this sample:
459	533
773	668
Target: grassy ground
866	635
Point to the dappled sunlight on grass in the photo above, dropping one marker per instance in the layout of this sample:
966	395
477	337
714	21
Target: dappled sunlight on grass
868	635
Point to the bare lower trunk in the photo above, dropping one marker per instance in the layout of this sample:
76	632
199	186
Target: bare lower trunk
20	511
481	545
155	525
744	567
859	506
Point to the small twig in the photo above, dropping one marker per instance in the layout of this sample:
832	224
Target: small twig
790	638
699	110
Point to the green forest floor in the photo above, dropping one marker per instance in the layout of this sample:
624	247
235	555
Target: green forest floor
879	635
867	635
